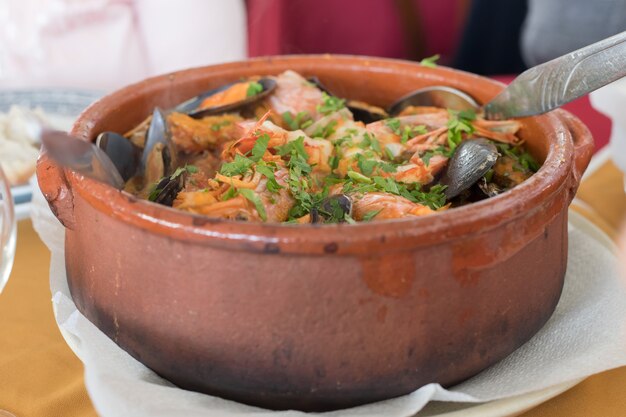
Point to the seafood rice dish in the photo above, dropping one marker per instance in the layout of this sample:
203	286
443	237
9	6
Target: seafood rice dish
285	149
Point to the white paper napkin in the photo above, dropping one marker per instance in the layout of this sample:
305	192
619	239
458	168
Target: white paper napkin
586	335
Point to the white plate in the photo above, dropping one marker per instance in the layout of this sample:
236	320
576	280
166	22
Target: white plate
62	106
514	406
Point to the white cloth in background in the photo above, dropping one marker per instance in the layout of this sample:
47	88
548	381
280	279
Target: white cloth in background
611	100
106	44
586	335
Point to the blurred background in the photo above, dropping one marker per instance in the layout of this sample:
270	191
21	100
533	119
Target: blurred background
105	44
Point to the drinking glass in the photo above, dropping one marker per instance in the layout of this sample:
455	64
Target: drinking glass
7	230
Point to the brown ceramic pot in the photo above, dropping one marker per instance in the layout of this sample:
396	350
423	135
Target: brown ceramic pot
318	317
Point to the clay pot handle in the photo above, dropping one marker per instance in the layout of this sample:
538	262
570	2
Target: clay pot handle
56	190
583	148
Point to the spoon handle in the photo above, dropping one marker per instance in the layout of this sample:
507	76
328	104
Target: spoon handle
557	82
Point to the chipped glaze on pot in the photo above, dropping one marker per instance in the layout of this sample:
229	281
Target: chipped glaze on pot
318	317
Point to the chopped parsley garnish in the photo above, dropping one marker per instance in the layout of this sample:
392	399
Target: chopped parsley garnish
330	105
370	141
302	120
433	198
440	150
295	147
367	166
389	154
254	199
217	126
231	193
333	162
522	158
410	132
431	61
394	125
239	166
459	123
325	131
254	88
358	177
192	169
259	148
272	185
370	215
242	164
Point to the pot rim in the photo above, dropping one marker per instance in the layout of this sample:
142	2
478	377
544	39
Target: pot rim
342	238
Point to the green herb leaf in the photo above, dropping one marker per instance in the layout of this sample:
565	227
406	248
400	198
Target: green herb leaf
330	105
301	121
366	165
231	193
431	61
333	161
254	88
358	177
239	166
325	131
393	124
370	215
410	132
459	123
254	199
272	185
217	126
259	148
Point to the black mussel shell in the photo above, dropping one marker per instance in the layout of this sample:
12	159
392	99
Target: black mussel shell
190	107
332	207
158	132
436	96
167	189
123	153
362	112
470	162
366	113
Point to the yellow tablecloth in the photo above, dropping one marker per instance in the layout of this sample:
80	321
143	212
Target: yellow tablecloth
40	376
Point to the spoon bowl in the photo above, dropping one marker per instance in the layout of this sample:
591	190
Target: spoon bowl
435	96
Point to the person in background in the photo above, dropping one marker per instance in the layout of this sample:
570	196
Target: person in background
405	29
556	27
490	40
106	44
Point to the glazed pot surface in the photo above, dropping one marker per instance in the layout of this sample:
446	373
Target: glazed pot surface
318	318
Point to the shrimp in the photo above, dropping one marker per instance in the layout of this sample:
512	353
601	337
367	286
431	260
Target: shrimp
294	95
386	206
252	132
501	131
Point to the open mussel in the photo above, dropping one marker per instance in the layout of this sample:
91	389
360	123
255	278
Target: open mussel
159	153
124	155
472	159
227	98
335	208
167	189
434	96
362	112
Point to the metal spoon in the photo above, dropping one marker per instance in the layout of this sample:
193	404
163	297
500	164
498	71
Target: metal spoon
546	86
81	156
436	96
